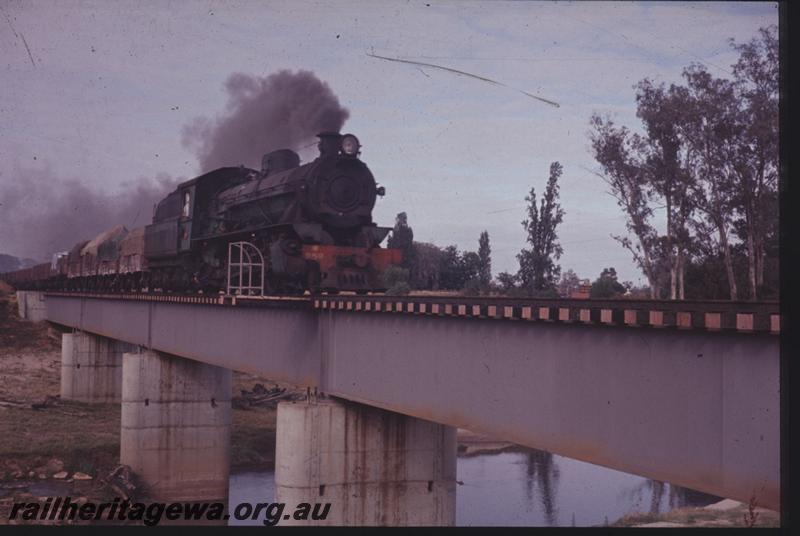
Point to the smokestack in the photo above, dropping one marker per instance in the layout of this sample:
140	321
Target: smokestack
330	143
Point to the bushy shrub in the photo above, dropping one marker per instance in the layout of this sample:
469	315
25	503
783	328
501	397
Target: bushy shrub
399	289
395	279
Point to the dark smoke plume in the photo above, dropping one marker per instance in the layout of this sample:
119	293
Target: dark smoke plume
285	110
42	213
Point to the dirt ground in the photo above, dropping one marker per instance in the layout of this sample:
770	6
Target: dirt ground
86	436
41	435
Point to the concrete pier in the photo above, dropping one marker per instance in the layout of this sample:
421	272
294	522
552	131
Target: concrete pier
176	417
91	367
374	467
31	305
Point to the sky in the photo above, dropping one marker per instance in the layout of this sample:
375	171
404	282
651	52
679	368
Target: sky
99	91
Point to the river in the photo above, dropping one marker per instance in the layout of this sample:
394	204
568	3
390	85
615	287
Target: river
518	487
526	487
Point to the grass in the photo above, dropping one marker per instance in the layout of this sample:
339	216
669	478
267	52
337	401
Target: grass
85	437
253	438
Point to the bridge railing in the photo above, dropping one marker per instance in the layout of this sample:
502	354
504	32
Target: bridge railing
707	315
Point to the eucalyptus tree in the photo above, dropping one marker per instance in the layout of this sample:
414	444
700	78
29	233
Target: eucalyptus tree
618	153
708	155
756	77
710	125
664	154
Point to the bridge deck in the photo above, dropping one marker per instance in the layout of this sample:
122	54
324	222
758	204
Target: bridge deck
745	317
698	407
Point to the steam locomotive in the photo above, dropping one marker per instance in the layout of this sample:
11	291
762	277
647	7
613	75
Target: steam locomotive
284	229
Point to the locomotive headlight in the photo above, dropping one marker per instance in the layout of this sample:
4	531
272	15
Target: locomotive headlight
350	145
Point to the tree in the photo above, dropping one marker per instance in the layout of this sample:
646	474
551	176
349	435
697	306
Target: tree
506	281
607	286
538	270
616	150
395	278
433	268
402	238
569	283
449	269
459	268
756	82
710	127
425	272
732	127
470	268
664	151
703	281
708	156
485	261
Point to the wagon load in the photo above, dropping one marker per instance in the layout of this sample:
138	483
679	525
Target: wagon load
101	255
74	264
131	252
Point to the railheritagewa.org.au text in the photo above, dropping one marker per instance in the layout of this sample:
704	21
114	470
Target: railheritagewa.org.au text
64	508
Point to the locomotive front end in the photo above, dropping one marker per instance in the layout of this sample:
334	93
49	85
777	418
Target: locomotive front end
349	268
340	189
341	195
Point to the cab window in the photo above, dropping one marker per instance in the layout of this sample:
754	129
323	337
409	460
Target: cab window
186	201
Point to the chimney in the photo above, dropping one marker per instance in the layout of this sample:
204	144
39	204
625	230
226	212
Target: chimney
330	143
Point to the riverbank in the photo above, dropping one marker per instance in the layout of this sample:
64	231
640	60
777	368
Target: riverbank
46	441
36	425
726	513
472	444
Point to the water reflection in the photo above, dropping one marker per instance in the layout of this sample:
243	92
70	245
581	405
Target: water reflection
527	487
542	471
556	491
654	496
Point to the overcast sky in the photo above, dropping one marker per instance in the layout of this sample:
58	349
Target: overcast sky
99	91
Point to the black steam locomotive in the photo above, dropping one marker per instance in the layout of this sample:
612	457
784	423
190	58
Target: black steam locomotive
284	229
300	227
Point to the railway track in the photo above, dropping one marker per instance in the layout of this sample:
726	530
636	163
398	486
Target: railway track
739	316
